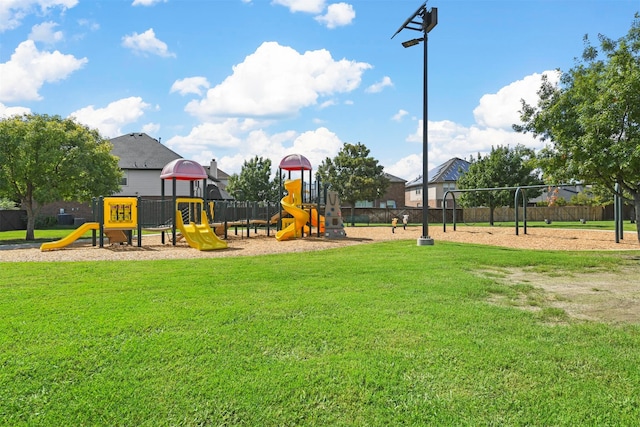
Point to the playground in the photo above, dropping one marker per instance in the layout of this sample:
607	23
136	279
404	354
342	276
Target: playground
261	244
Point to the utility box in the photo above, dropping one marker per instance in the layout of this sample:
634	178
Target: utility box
65	219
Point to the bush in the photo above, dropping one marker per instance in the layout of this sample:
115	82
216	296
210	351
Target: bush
46	222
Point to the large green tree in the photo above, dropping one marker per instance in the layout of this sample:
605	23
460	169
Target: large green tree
591	118
44	159
254	182
503	167
354	175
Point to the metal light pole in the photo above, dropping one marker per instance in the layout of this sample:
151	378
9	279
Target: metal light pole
423	20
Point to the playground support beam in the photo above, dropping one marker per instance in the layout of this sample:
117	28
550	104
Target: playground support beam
524	209
444	210
617	214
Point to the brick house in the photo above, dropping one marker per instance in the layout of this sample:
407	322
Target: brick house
441	179
393	198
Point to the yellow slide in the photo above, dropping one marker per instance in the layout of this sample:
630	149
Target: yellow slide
200	236
314	220
75	235
300	216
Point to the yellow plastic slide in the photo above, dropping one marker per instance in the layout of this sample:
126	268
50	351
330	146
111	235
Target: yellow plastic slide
200	236
289	202
314	220
75	235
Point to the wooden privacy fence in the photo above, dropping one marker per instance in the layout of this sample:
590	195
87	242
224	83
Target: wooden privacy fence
552	213
383	215
13	220
502	214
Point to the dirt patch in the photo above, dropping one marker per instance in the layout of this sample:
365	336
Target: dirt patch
604	296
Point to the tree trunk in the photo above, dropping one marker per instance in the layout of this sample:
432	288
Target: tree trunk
636	206
491	209
31	219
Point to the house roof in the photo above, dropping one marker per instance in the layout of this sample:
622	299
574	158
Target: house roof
393	178
222	175
449	171
140	151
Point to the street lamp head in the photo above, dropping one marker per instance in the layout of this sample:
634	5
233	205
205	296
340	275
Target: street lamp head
412	42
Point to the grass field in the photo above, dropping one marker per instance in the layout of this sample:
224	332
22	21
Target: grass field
372	335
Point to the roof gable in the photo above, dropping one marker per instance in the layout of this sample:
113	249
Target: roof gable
140	151
393	178
449	171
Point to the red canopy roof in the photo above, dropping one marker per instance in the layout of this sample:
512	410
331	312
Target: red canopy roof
295	162
182	169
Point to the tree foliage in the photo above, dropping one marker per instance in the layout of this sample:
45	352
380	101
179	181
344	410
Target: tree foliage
591	119
44	159
6	204
503	167
354	175
254	182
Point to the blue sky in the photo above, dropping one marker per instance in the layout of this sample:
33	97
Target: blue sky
234	79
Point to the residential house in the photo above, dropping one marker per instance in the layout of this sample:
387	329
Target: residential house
441	179
142	158
393	198
551	194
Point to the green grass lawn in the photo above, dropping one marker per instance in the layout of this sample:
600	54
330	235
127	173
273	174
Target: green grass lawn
17	237
41	235
383	334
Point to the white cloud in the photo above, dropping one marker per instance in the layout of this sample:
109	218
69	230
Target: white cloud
378	87
110	119
399	115
277	81
13	111
190	85
147	43
234	141
408	167
91	25
494	116
308	6
315	145
211	136
28	69
448	139
328	103
338	15
146	2
45	33
151	128
12	12
500	110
